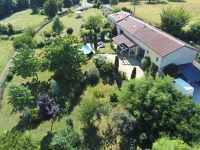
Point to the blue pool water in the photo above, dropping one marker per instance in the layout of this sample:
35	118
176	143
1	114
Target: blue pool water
85	49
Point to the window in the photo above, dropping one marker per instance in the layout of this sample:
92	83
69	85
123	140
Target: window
157	59
147	52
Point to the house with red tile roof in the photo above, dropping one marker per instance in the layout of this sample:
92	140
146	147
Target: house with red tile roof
143	40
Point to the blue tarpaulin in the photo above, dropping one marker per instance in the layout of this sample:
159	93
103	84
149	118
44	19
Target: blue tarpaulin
191	72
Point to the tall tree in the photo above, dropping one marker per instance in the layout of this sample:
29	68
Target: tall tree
173	19
133	74
23	4
47	107
26	64
19	96
22	40
68	3
50	8
66	139
63	57
16	140
57	25
161	109
95	43
116	64
94	22
54	87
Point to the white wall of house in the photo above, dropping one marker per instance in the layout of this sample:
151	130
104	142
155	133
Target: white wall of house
182	56
148	51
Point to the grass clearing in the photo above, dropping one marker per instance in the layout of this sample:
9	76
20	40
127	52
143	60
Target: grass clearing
69	20
10	121
6	51
151	12
24	19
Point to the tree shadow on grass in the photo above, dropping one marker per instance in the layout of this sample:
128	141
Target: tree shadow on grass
107	78
69	96
38	87
25	124
45	142
92	140
77	97
109	138
156	2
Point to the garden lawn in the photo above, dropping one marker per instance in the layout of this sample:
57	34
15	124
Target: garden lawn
151	12
10	121
69	20
24	19
6	52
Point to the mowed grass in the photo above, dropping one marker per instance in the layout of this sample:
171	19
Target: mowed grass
151	12
10	121
6	52
24	19
70	21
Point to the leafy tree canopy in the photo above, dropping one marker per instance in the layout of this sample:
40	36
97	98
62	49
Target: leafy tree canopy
22	40
66	139
161	109
19	96
57	25
195	31
50	8
64	58
14	140
173	19
47	107
166	143
25	63
94	22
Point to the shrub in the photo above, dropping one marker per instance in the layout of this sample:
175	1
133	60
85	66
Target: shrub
9	76
69	121
40	44
93	74
22	40
54	34
122	75
103	64
133	74
34	116
69	30
4	37
146	62
98	94
18	31
95	6
113	97
47	34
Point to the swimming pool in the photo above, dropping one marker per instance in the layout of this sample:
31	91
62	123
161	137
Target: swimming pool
85	49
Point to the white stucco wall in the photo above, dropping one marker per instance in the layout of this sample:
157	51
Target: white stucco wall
182	56
153	55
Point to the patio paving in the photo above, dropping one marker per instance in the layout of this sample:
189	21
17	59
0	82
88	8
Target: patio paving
127	65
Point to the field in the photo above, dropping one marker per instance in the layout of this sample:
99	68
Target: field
10	120
150	12
70	21
6	53
24	19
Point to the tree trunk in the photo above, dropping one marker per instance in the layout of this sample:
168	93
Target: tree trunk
36	77
51	125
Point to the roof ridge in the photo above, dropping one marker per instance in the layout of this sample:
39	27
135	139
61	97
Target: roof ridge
159	31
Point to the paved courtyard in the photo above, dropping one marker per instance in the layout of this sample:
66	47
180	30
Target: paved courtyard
127	65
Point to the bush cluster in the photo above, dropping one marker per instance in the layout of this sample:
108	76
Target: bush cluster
103	63
34	116
93	74
113	97
47	34
122	75
9	76
98	94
